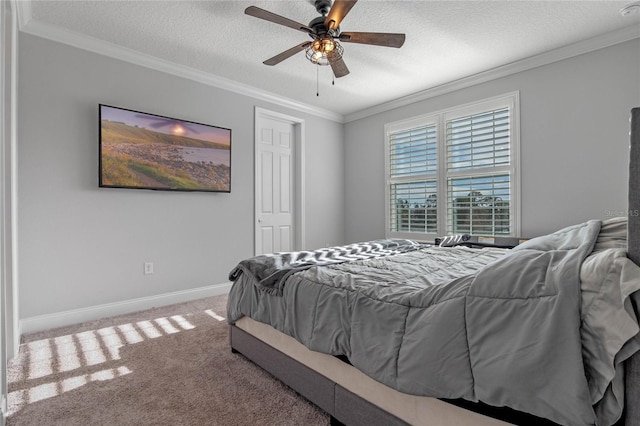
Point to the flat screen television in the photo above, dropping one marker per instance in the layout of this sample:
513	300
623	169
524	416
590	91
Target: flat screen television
147	151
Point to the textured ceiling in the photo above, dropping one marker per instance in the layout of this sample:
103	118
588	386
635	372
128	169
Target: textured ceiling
445	40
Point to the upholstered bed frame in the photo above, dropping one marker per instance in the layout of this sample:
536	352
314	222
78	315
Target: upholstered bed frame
351	398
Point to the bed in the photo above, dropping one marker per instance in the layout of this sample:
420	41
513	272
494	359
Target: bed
349	330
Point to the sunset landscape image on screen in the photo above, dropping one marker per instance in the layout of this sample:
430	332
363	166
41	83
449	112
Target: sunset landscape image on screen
139	150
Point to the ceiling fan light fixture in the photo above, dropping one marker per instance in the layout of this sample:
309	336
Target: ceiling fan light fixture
324	45
323	50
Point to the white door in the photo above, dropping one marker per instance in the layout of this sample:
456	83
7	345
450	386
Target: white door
275	184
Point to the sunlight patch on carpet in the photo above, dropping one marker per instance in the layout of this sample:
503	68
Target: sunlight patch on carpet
67	353
130	333
182	322
40	365
166	325
22	397
51	360
112	341
214	315
149	329
91	350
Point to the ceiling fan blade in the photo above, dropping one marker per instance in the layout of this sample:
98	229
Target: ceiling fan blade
378	39
272	17
287	54
339	67
337	13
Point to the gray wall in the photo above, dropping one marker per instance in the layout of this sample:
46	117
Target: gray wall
574	142
80	245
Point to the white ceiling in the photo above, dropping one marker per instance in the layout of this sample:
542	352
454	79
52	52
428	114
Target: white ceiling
445	40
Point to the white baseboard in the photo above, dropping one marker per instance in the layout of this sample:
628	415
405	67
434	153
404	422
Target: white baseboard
75	316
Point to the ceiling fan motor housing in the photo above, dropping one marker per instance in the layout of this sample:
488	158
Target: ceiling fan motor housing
319	28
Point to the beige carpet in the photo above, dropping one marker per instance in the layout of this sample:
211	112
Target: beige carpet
164	366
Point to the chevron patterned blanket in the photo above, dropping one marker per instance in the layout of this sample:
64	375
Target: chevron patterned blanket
270	270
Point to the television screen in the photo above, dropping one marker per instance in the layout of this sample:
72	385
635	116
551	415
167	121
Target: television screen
147	151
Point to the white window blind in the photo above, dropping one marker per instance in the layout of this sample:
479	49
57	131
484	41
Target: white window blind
467	158
415	207
477	202
478	141
412	152
479	205
413	164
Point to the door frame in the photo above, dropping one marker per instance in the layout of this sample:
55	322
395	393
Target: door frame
299	174
9	323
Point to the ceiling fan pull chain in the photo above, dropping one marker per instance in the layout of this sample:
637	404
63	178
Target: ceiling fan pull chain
317	79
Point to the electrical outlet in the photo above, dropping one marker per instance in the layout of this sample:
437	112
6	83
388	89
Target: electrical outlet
148	268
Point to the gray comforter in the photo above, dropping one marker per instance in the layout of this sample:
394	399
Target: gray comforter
488	325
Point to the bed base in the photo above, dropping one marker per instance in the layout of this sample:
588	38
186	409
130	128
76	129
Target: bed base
348	408
344	407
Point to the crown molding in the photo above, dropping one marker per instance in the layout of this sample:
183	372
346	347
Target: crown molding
101	47
565	52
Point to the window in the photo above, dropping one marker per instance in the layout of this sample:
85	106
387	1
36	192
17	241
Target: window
466	157
413	162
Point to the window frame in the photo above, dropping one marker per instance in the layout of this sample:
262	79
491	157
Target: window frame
439	118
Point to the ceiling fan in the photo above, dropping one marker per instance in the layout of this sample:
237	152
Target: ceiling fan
325	48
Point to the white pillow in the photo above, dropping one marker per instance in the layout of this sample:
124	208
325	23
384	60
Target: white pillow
607	278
